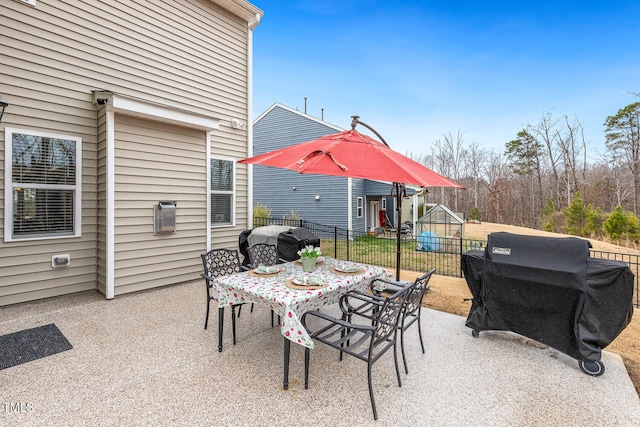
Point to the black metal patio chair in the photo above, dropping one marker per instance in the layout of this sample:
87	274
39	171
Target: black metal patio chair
267	255
263	253
217	263
367	305
365	342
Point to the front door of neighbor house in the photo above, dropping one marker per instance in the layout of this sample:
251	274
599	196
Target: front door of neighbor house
374	214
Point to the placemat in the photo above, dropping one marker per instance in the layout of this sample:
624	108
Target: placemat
347	273
254	274
289	284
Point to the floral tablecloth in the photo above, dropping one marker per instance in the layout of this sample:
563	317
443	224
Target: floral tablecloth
291	304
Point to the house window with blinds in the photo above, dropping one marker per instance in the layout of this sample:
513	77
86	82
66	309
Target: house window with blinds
222	188
359	207
43	191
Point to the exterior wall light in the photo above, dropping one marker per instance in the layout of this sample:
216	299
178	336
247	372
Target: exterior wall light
3	104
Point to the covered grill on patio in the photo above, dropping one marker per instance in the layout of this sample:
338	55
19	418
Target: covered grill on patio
288	240
552	291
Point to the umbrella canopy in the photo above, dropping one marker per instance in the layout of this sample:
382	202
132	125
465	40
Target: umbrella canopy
354	155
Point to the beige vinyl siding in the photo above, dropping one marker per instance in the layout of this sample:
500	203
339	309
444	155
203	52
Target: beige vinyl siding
25	266
229	143
184	54
126	47
156	161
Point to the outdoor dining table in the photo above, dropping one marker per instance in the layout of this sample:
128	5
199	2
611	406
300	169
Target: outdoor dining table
291	301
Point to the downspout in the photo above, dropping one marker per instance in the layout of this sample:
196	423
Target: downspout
208	169
110	205
250	27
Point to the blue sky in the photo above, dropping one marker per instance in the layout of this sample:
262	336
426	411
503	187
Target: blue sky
415	70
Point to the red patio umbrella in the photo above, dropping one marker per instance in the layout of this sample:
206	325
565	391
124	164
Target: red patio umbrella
352	154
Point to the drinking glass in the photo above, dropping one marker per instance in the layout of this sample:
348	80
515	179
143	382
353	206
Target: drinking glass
327	263
282	276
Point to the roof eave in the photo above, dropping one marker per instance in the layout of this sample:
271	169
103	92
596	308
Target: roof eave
241	8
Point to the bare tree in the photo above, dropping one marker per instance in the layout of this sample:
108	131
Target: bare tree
623	134
475	159
451	152
570	148
544	132
496	172
616	174
443	160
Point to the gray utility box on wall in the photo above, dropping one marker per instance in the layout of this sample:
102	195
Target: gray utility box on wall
164	217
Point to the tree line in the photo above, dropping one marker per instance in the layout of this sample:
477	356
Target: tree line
544	180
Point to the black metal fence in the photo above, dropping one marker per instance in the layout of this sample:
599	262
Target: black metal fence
445	254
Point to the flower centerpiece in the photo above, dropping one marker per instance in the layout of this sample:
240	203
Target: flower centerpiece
308	257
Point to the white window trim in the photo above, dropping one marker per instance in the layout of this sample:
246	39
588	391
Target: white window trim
359	207
383	204
233	192
29	2
9	185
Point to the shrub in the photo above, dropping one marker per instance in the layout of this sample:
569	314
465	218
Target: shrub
293	216
575	216
621	226
261	211
475	214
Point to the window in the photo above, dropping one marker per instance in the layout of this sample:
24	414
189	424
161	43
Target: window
222	192
359	206
384	204
43	192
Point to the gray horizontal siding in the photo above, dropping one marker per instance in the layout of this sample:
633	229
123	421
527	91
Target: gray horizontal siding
273	187
359	224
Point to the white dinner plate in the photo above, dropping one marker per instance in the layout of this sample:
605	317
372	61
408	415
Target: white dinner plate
347	269
298	282
257	271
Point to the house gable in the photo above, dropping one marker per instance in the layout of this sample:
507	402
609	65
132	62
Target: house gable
316	198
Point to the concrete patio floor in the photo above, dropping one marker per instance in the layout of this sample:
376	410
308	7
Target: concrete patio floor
145	359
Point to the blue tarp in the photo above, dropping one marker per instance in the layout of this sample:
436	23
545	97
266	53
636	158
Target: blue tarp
429	241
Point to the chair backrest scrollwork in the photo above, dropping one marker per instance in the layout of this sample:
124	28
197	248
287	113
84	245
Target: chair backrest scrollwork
263	253
389	315
414	299
221	262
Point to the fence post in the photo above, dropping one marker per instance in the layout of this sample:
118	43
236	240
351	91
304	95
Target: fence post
347	257
461	248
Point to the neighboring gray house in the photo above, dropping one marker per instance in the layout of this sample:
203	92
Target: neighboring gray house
115	107
349	203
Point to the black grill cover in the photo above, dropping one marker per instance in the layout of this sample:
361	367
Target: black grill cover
290	242
550	290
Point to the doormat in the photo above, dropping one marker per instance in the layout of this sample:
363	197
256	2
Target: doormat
31	344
